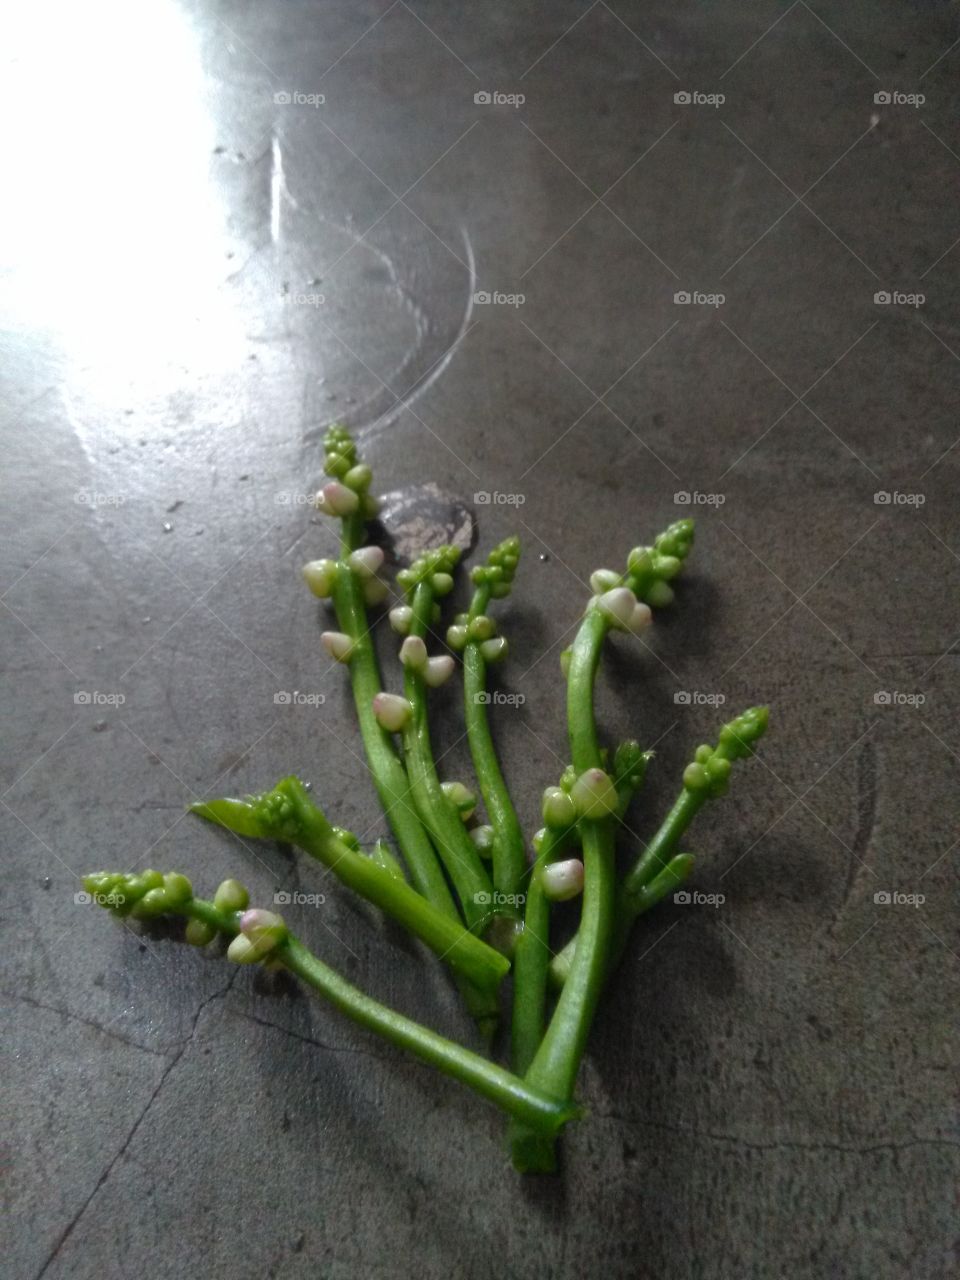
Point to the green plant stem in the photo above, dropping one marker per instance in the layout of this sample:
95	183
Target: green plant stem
525	1102
509	857
554	1068
464	953
531	963
446	829
389	775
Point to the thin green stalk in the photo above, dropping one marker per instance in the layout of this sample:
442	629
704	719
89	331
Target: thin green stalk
389	775
475	633
705	778
446	829
288	813
554	1068
520	1100
531	964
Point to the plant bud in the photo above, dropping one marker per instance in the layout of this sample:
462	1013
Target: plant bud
482	838
335	499
618	605
391	711
358	478
602	580
365	561
461	797
199	933
482	628
374	591
338	645
401	615
231	895
640	618
495	650
594	794
457	637
558	808
321	577
438	670
562	880
413	653
442	584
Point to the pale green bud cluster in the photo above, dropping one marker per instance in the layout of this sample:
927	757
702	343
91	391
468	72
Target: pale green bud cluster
261	932
500	568
651	569
435	567
350	477
709	771
480	630
142	895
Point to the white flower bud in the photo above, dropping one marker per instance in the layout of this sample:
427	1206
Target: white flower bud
461	797
602	580
320	576
392	712
618	605
594	794
401	615
257	922
562	880
438	670
495	650
413	653
640	619
338	645
244	950
365	561
335	499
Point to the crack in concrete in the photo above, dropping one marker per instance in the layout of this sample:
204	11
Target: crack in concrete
319	1044
736	1140
866	821
71	1225
87	1022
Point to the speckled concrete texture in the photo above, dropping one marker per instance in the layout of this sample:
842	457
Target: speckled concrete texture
203	265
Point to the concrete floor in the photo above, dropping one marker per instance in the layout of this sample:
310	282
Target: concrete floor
771	1082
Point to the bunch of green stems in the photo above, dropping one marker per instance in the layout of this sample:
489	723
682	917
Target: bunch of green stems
463	887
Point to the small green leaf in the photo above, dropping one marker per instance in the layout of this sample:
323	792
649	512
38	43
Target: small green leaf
235	815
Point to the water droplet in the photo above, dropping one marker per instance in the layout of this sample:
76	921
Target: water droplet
167	527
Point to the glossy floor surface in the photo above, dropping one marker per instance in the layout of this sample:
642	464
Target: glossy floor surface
588	267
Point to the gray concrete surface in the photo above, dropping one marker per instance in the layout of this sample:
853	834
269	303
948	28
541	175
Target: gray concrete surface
771	1084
